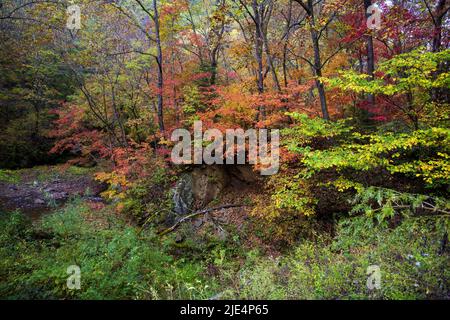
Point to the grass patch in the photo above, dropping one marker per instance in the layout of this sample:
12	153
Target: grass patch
10	176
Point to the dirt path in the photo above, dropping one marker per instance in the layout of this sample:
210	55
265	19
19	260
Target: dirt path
38	190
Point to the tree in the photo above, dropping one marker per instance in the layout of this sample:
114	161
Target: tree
317	26
437	17
209	30
405	81
370	50
153	14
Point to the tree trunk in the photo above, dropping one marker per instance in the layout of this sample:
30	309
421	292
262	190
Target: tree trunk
318	73
437	21
317	66
264	25
212	80
286	44
370	52
437	17
159	61
118	118
258	54
271	65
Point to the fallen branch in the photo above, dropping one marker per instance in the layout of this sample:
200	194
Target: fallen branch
197	213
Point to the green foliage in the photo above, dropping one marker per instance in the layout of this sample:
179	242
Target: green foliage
384	204
116	261
149	201
192	103
412	71
308	129
337	268
287	215
119	261
420	154
261	280
9	176
384	175
22	139
411	78
34	80
191	97
292	193
389	150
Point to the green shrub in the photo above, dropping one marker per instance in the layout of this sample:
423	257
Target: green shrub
116	261
410	258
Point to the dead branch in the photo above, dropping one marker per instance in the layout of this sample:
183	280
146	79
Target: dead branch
198	213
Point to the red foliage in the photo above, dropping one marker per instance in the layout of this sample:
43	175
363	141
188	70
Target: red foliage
73	135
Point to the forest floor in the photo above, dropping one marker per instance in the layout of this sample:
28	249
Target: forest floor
222	255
